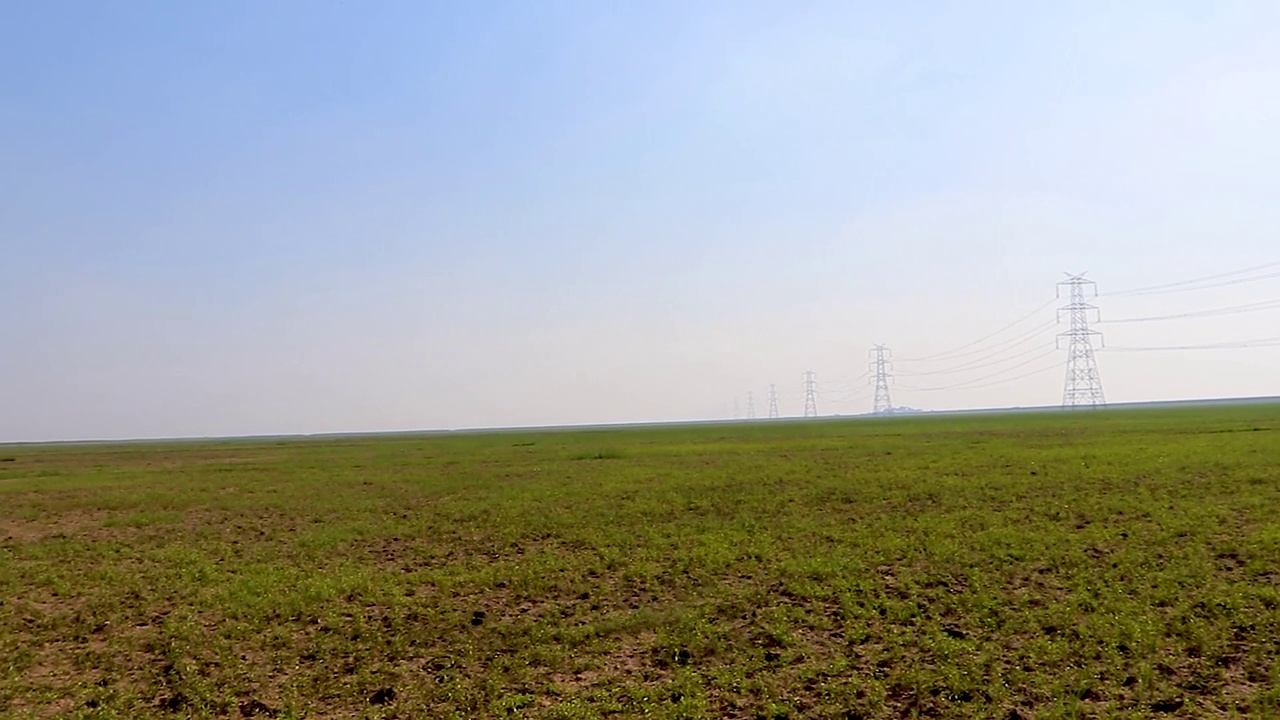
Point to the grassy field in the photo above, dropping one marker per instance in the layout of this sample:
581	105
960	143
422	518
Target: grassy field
1105	564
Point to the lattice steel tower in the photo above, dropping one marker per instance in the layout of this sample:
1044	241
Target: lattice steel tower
1083	387
773	402
810	394
751	406
880	365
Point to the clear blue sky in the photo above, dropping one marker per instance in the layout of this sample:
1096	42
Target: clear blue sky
275	217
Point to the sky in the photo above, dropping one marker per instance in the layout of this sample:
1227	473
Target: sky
280	217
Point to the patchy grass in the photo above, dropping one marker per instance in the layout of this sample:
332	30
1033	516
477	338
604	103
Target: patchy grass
1060	565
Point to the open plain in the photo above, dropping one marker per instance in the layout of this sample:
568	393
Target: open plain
1121	563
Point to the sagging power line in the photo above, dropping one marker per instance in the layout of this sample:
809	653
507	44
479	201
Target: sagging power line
957	351
973	383
1199	283
1215	312
1228	345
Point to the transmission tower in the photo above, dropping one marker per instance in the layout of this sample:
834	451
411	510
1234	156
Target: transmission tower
880	365
1083	387
751	406
773	402
810	394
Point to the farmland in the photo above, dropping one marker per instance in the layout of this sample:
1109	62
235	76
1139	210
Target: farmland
1097	564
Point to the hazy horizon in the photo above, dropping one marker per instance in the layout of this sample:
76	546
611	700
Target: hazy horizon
294	218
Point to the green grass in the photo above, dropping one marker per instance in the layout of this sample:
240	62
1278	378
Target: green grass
1104	564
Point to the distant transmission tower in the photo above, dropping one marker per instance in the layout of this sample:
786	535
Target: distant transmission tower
1083	386
810	394
880	365
751	406
773	402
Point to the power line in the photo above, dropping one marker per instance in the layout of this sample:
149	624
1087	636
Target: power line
978	364
1083	385
1172	287
969	384
847	381
1005	381
1232	310
1228	345
1001	346
850	396
843	390
1042	370
1225	283
984	338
